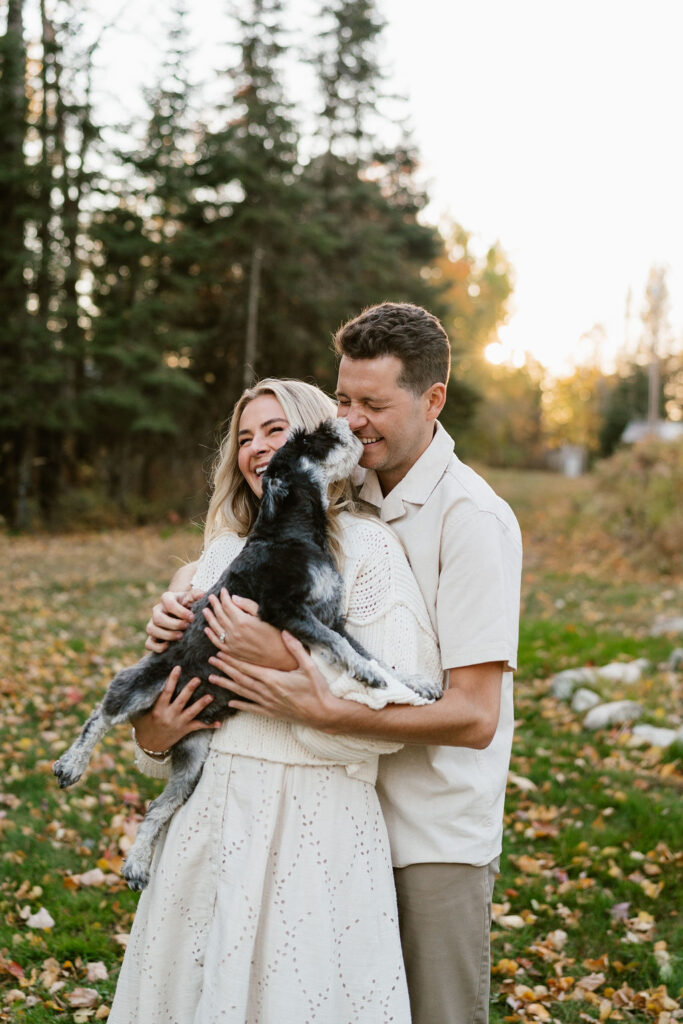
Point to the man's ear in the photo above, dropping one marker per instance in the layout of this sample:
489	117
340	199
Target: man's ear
436	399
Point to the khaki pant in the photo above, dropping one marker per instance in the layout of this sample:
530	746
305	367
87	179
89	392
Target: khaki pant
445	920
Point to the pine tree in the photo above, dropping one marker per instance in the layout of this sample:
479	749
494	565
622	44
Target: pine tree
249	203
349	75
362	200
40	416
144	291
16	440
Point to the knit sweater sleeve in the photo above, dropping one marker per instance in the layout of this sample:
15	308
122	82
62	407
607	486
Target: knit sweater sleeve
385	612
152	766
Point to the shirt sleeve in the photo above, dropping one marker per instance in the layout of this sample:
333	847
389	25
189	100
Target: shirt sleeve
154	767
477	605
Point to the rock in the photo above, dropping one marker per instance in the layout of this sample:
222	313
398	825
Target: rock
564	683
584	699
664	624
675	661
626	672
613	713
655	735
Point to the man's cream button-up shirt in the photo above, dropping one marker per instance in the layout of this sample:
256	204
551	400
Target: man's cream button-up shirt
445	804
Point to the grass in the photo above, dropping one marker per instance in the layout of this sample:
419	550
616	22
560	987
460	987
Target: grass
591	872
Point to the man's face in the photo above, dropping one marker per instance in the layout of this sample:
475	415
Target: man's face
393	423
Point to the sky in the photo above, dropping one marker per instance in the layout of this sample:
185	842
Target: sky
554	128
550	127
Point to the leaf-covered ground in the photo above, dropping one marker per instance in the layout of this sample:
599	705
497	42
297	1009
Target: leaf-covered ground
585	916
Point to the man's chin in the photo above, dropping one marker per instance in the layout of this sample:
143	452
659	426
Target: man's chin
370	456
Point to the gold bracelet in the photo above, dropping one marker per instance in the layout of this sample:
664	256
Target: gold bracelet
150	753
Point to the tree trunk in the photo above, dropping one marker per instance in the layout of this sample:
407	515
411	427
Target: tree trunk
252	316
23	518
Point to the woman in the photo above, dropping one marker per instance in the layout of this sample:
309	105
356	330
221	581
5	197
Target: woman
271	899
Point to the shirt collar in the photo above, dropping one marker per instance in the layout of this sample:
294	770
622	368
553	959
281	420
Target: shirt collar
417	484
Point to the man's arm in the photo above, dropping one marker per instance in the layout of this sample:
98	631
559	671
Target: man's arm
466	715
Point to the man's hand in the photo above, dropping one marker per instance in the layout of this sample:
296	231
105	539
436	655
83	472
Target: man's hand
169	720
245	637
301	695
169	618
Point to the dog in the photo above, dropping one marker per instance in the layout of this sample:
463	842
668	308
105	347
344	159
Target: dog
287	568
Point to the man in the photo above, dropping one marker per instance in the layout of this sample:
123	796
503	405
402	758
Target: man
443	793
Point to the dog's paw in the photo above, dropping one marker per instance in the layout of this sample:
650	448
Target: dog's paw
137	882
376	675
136	874
66	773
423	686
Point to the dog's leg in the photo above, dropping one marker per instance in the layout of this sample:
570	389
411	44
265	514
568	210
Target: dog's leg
338	649
188	758
423	686
337	646
122	702
74	761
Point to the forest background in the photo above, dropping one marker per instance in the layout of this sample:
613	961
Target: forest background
149	270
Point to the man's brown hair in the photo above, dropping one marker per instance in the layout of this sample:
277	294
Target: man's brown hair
399	329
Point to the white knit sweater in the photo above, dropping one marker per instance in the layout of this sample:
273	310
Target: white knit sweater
384	611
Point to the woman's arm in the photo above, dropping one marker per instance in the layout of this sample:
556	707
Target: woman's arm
169	720
245	636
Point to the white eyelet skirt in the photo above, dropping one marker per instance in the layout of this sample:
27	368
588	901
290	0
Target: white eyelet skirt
271	901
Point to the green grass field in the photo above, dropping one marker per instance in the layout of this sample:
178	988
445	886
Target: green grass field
585	918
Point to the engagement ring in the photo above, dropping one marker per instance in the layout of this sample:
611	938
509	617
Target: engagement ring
221	636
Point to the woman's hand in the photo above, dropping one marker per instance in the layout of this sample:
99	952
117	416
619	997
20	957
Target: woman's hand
169	720
235	628
169	618
301	695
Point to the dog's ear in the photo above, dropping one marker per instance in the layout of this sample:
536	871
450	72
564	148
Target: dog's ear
317	444
275	490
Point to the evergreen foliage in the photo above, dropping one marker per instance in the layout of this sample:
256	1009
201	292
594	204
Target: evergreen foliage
148	273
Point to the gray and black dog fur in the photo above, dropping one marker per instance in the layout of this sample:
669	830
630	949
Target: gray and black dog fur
287	568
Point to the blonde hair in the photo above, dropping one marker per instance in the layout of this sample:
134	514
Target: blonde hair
234	506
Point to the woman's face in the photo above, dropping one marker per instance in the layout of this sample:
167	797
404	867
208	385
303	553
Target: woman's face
263	428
